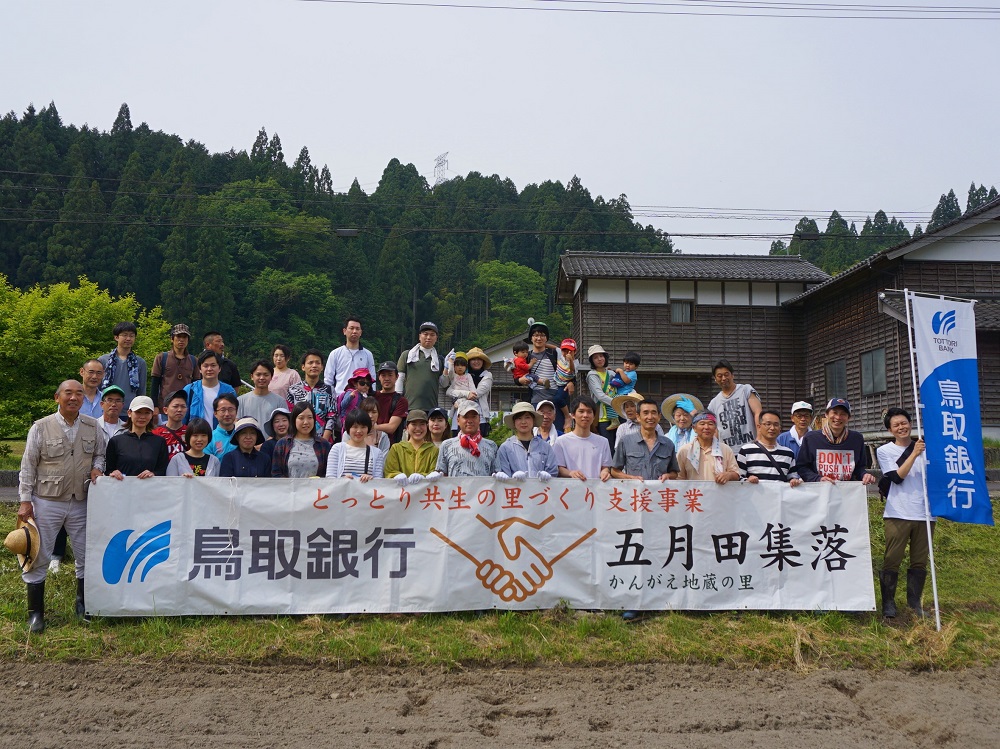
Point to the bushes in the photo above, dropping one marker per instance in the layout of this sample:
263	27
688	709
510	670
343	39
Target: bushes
47	332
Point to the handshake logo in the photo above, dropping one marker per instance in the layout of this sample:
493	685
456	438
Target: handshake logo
523	571
153	547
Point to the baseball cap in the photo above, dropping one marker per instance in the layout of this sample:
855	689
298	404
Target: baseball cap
839	403
801	406
140	402
182	394
428	326
112	389
416	415
387	366
180	329
466	408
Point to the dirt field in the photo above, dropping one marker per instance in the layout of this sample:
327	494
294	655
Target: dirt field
66	705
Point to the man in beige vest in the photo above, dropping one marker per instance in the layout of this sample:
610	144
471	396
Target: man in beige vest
63	454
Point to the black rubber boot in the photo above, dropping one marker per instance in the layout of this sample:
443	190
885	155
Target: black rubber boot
915	590
888	579
36	607
81	609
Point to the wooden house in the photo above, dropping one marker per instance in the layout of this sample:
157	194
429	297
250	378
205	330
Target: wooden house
855	339
682	313
788	328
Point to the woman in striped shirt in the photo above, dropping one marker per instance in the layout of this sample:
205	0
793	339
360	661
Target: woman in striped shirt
353	458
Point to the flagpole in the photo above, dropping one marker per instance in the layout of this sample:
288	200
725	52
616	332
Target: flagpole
927	507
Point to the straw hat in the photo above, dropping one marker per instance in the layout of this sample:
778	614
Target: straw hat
521	407
619	401
670	404
477	353
24	542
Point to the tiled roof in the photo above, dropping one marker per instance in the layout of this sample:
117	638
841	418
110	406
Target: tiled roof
987	314
987	310
781	268
988	212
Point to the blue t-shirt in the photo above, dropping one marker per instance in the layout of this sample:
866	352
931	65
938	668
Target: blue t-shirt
623	387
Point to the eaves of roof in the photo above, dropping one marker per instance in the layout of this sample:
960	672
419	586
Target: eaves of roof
988	212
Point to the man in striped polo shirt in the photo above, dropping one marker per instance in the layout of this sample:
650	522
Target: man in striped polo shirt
764	459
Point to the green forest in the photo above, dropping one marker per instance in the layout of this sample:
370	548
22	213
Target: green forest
842	245
137	224
245	243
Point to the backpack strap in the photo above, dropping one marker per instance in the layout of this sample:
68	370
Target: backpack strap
778	468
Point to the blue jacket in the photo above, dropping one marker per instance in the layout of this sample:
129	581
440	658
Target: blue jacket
196	400
220	444
237	463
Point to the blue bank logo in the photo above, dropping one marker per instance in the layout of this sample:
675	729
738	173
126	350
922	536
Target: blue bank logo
943	322
152	547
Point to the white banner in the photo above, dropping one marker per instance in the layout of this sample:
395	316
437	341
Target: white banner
176	546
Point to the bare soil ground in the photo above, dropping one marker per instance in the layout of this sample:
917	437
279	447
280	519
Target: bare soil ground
172	705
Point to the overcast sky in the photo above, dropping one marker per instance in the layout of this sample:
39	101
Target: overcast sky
794	115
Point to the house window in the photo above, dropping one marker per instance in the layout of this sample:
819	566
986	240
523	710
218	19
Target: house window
681	311
873	372
648	386
836	379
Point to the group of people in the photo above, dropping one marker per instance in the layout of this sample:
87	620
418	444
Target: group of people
332	422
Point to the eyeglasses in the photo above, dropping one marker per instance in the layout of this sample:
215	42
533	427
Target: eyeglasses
225	410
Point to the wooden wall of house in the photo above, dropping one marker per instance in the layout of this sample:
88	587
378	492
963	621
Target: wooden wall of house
844	322
844	325
965	280
762	343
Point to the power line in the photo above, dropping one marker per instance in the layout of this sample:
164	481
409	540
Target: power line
637	210
881	13
785	6
130	220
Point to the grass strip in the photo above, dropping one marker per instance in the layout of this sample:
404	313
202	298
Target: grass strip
967	575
